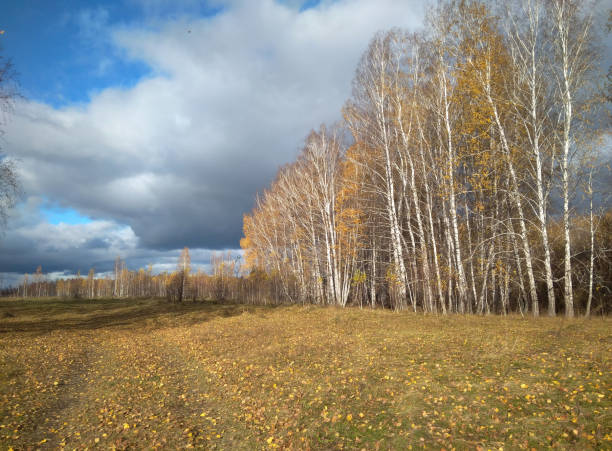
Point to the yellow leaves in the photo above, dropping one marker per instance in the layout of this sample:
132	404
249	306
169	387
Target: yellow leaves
126	426
359	277
123	386
524	386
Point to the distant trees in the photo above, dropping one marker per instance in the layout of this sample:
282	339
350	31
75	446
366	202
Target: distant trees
441	199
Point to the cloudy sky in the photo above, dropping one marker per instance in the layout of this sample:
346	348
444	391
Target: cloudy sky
150	125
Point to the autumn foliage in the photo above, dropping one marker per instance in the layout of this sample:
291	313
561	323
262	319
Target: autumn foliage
460	179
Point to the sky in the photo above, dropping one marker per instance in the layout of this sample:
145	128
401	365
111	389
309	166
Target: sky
149	125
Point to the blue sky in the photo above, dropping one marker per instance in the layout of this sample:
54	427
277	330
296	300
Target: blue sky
63	49
60	49
57	215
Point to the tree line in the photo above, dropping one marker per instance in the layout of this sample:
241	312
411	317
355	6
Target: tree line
460	179
182	284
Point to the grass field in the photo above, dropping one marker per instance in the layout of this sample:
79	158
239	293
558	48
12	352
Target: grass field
146	374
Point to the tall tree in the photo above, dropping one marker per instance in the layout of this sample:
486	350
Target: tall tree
370	118
526	25
575	59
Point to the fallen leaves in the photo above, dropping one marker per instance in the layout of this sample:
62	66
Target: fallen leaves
309	378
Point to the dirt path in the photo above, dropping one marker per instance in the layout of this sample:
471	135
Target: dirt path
53	424
129	390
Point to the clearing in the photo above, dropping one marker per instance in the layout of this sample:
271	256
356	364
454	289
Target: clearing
144	373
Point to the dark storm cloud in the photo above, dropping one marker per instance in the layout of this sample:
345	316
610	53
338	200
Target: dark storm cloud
95	243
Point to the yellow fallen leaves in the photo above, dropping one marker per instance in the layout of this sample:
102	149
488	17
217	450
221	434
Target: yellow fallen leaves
170	386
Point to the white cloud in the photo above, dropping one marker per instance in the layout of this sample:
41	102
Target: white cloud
65	237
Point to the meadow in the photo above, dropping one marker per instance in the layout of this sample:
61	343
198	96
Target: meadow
142	373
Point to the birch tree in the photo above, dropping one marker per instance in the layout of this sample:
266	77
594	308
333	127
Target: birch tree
531	94
370	120
574	61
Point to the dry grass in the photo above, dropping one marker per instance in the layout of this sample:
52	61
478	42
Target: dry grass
141	373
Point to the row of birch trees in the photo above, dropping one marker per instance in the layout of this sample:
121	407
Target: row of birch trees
451	184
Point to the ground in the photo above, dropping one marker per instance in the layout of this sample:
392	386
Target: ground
147	374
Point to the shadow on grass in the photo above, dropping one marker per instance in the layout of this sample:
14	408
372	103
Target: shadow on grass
45	315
